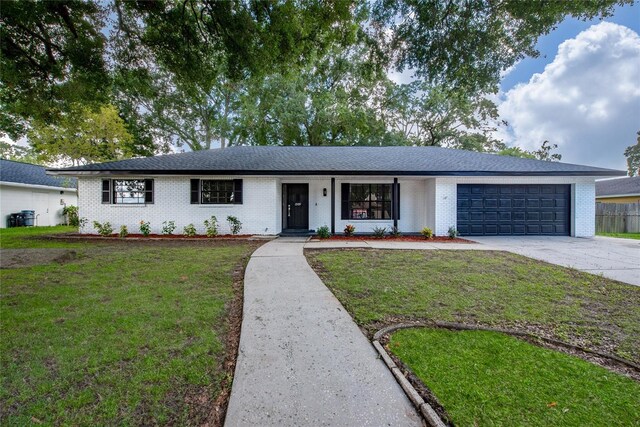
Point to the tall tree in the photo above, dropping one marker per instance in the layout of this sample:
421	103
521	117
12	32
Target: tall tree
83	136
632	153
52	57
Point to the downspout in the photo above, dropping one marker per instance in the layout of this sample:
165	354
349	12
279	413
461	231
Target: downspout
333	206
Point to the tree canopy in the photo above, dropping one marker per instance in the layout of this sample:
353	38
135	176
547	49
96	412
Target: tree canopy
198	73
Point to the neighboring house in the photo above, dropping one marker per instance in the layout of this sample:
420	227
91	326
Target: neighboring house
619	190
298	189
24	186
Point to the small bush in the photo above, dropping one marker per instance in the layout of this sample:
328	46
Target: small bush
394	232
378	232
71	212
323	232
103	229
453	233
168	227
427	233
211	226
123	231
234	224
189	230
82	223
145	228
349	230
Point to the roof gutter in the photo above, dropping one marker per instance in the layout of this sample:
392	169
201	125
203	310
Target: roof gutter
140	172
37	186
611	196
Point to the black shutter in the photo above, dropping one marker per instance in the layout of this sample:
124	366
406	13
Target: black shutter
195	191
344	192
237	191
148	191
106	191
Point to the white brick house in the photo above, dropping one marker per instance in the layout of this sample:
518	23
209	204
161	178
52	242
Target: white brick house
298	189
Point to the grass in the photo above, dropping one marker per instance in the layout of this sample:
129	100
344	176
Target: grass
35	237
487	378
128	333
490	288
635	236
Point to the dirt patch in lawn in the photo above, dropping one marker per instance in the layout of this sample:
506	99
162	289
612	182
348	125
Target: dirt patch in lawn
16	258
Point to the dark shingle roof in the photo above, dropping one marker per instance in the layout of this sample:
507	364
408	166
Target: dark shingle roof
334	160
26	173
618	187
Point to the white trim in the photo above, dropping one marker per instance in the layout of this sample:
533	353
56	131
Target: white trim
618	195
41	187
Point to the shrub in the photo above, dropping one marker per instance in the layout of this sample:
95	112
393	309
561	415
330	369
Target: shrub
82	223
123	231
189	230
234	224
453	233
393	231
168	227
103	229
378	232
145	228
349	230
427	233
323	232
71	212
211	226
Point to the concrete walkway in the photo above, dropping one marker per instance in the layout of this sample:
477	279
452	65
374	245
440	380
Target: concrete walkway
302	360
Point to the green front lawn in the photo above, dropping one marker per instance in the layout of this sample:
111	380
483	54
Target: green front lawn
485	378
491	288
635	236
34	237
123	333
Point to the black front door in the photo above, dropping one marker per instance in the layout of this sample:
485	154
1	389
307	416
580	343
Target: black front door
296	206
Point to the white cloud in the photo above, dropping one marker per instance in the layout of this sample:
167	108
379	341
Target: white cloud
587	100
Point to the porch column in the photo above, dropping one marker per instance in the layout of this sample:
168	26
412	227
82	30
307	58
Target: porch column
333	206
394	203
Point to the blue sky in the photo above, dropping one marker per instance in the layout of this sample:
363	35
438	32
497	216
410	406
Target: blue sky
582	93
628	15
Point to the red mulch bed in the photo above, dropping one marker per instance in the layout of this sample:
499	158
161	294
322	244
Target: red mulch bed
172	236
408	238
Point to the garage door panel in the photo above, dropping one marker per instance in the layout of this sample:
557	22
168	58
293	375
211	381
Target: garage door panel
513	209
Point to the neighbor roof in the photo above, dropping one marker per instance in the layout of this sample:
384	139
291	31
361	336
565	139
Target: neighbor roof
26	173
274	160
629	186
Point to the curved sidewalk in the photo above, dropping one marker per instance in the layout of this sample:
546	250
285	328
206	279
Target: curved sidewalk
302	360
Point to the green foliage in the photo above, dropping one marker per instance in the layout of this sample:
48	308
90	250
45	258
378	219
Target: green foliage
145	228
516	152
452	232
124	232
71	213
466	45
427	233
379	232
632	153
514	382
323	232
82	223
52	56
189	230
234	224
104	229
544	152
349	230
211	226
394	231
83	136
168	227
15	152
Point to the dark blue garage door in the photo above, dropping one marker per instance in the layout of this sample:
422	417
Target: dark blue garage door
507	210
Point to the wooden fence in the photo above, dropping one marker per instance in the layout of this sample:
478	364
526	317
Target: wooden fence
618	218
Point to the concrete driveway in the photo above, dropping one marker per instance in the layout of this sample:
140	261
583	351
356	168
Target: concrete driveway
617	259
